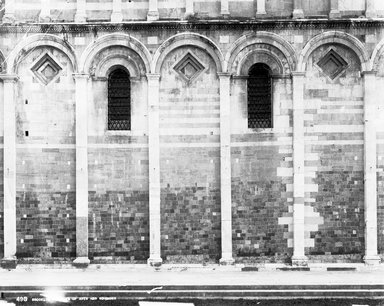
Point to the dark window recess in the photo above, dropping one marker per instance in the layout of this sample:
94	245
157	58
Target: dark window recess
119	100
259	96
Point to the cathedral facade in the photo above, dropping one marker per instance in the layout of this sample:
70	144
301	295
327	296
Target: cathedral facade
206	131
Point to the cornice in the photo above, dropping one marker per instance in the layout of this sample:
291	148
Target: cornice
268	24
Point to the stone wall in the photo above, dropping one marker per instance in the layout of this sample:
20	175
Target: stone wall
262	178
190	158
118	202
46	215
65	11
334	157
189	128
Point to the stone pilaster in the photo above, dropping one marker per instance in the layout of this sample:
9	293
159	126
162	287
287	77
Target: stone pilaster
225	170
9	113
45	13
153	11
334	12
189	11
117	15
154	170
370	10
370	165
298	257
224	10
260	9
9	11
298	9
81	13
81	85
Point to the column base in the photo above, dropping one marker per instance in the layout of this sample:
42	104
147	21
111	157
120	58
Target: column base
334	14
8	263
155	262
260	15
81	262
152	16
80	18
298	13
372	260
116	17
224	14
228	261
299	261
9	18
371	14
44	19
189	15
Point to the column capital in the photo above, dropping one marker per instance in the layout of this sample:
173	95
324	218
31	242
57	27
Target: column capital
297	74
153	76
224	75
78	76
368	73
7	78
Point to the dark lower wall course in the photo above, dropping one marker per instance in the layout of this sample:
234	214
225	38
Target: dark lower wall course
46	225
119	226
190	224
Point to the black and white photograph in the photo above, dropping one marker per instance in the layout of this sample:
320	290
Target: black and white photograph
192	152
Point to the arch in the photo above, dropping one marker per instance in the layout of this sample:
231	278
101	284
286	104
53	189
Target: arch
119	99
246	62
187	39
267	38
259	96
3	64
112	60
40	40
110	40
376	54
334	37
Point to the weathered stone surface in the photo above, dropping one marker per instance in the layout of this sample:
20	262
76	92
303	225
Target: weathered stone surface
118	204
190	224
336	159
259	199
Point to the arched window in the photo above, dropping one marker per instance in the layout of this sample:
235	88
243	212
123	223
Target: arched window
259	96
119	100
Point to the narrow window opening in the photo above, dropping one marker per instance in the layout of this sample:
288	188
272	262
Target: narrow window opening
119	100
259	96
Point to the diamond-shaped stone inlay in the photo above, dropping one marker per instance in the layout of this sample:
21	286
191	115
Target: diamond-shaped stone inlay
46	69
332	64
189	67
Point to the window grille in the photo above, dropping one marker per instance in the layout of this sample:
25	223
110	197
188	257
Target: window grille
259	96
119	100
